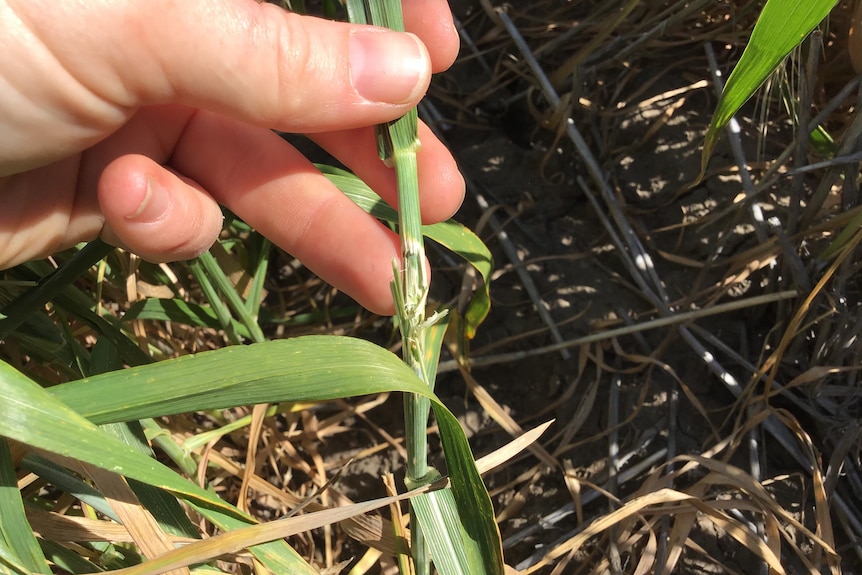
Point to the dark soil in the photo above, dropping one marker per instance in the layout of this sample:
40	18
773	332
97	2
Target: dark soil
634	401
528	174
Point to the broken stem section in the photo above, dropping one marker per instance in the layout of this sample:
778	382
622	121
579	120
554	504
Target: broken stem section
397	144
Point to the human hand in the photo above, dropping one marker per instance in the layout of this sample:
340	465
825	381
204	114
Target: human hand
134	120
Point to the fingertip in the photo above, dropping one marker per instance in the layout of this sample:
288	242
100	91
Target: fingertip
443	58
154	213
441	185
440	180
432	21
377	297
379	305
368	279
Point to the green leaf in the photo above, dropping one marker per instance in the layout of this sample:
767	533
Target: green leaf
846	236
52	285
255	296
37	418
163	507
66	481
179	311
68	560
433	343
450	234
439	518
201	439
462	241
70	300
301	369
15	531
782	25
162	439
218	277
221	309
9	563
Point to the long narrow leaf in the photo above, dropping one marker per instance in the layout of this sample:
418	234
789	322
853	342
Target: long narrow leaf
9	562
181	312
397	144
450	554
228	291
52	285
68	560
35	417
164	508
14	529
300	369
68	482
782	25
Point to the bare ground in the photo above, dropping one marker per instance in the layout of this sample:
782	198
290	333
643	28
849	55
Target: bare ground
653	395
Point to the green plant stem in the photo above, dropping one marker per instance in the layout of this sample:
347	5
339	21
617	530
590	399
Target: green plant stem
397	144
410	290
221	310
227	289
252	304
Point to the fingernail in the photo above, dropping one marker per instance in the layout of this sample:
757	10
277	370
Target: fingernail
389	67
155	204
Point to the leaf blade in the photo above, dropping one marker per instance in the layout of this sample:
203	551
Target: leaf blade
14	529
37	418
782	25
259	373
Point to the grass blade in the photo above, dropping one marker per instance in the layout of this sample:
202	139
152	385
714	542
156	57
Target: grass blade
9	563
449	553
163	507
15	532
182	312
397	144
782	25
228	291
256	292
300	369
52	285
36	418
67	560
68	482
286	370
221	309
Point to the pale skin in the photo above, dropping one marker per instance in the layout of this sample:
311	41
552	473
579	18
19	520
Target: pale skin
133	121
